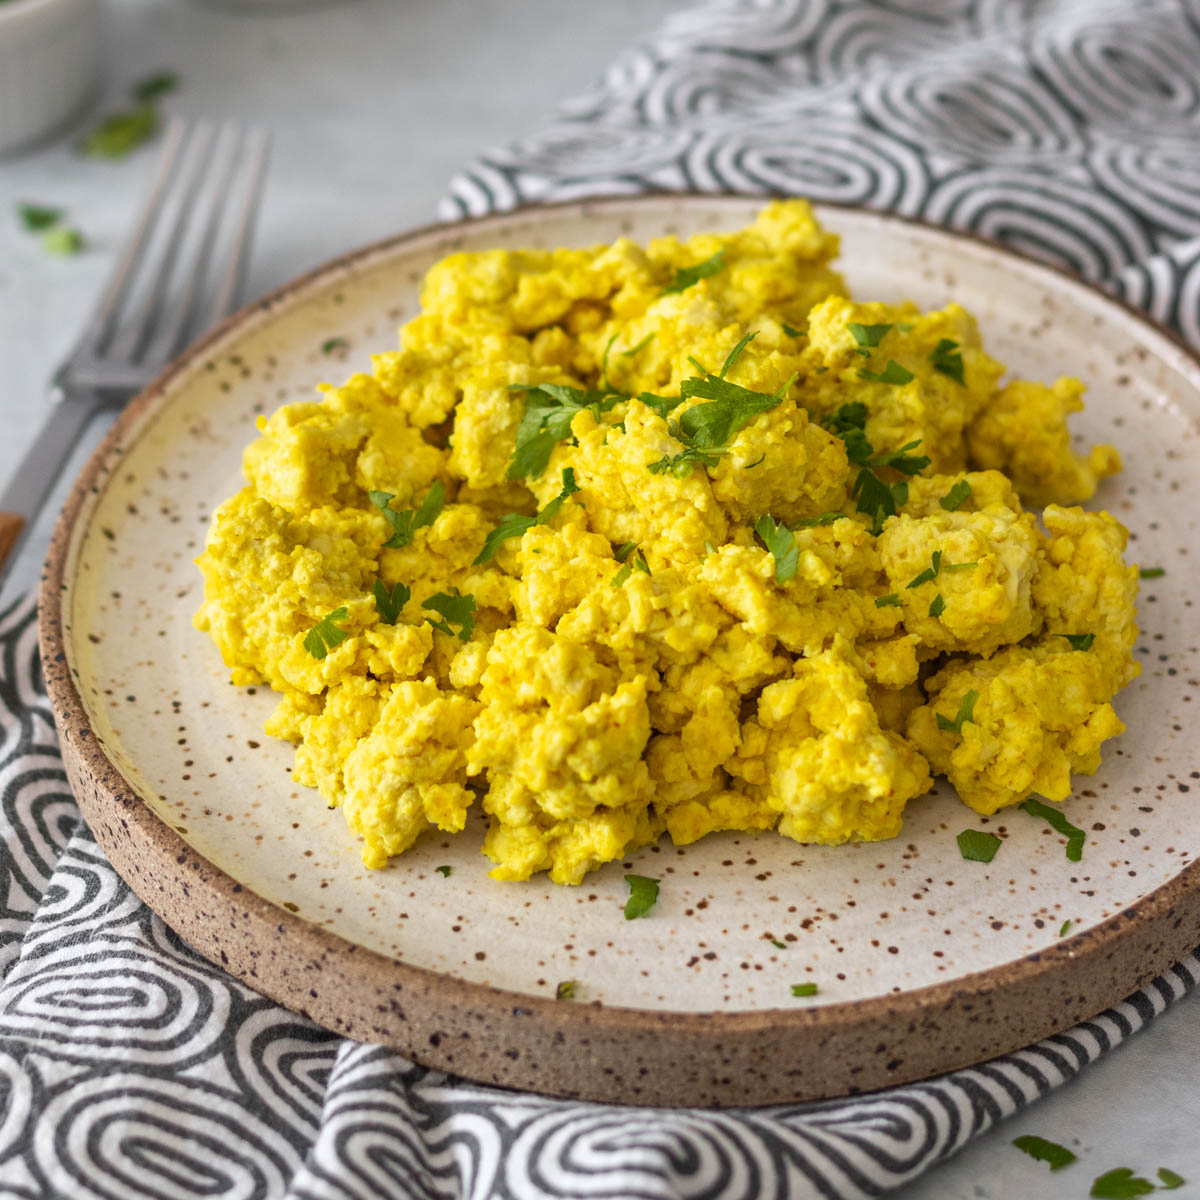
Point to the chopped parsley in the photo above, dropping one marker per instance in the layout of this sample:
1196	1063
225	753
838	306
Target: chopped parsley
1074	835
643	896
622	552
663	405
35	218
893	373
390	604
62	241
324	635
1064	929
618	580
1152	572
1169	1179
947	358
638	563
147	90
878	500
777	943
685	277
825	518
966	713
565	990
445	871
514	524
937	606
804	989
762	458
977	845
891	600
639	347
1120	1184
954	499
712	425
121	133
1079	641
960	566
454	609
792	333
330	345
930	573
549	410
781	542
405	524
868	336
849	424
680	465
1043	1151
735	353
900	460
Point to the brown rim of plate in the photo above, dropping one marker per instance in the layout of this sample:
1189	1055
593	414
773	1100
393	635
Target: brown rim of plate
537	1043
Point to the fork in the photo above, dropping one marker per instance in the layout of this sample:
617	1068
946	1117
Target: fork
155	298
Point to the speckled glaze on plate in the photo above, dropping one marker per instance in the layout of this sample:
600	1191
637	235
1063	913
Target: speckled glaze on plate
924	961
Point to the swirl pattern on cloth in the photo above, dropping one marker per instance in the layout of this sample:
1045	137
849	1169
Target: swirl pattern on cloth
132	1069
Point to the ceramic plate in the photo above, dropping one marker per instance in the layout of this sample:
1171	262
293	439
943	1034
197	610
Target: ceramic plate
924	961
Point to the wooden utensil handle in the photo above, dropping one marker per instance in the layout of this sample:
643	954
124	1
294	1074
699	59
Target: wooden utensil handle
11	525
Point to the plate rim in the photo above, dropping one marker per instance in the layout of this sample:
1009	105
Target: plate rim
128	829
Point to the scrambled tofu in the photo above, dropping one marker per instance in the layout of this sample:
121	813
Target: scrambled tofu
625	542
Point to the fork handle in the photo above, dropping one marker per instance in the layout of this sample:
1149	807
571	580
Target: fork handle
42	466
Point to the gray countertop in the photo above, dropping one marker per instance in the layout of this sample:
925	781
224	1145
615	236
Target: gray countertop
373	105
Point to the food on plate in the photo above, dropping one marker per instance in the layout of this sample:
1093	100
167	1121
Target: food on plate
625	541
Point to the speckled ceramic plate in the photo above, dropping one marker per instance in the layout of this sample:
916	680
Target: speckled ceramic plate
924	961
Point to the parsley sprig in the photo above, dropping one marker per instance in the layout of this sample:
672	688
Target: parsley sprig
1054	818
454	609
325	634
643	896
954	499
947	358
549	410
406	523
514	524
685	277
966	712
390	603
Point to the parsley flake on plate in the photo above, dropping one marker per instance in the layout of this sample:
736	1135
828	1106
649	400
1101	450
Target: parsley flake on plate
1152	572
1064	929
777	943
406	523
147	90
35	217
62	241
325	634
444	871
454	609
121	133
1120	1184
1074	835
390	604
966	712
804	989
643	896
1041	1150
685	277
977	845
781	542
1169	1180
565	990
333	344
954	499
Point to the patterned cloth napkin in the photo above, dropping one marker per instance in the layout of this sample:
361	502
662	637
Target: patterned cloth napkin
131	1068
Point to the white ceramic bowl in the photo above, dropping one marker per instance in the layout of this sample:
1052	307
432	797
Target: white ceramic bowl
49	53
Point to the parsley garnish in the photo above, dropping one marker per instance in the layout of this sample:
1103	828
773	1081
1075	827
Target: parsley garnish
686	276
121	133
619	578
777	943
734	354
639	347
804	989
929	573
781	542
62	241
405	524
868	335
825	518
34	217
445	871
1120	1184
565	990
390	603
454	609
1152	572
1074	835
622	552
966	712
639	563
329	345
1170	1180
893	373
977	845
792	333
1064	928
710	426
549	410
947	358
514	525
663	405
889	601
680	465
762	458
154	86
937	606
324	635
953	500
877	499
1043	1151
960	566
643	895
1079	641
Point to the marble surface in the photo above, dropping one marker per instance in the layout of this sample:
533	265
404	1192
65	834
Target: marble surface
373	105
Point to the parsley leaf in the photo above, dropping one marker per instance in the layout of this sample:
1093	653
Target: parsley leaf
565	990
390	603
121	133
1120	1184
825	518
900	460
663	405
1170	1180
34	217
1064	928
781	542
405	524
1079	641
889	601
514	524
804	989
62	241
639	347
154	86
947	358
1152	572
792	333
733	355
877	499
966	712
549	410
638	561
329	345
444	871
848	423
929	573
867	335
712	425
454	609
977	845
893	373
778	944
961	566
324	635
954	499
621	576
937	606
622	552
680	465
1074	835
643	895
1041	1150
686	276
